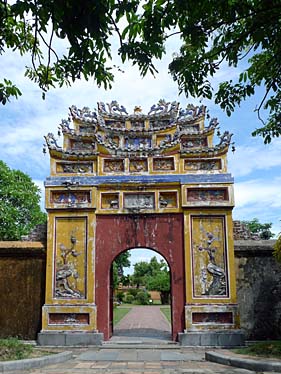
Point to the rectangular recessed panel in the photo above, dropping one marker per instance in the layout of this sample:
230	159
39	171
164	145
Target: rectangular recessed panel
204	165
194	142
70	262
69	318
168	199
211	317
109	200
163	164
113	166
75	167
207	194
70	197
209	257
138	165
139	201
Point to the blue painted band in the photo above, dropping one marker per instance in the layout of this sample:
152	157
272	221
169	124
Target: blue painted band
135	179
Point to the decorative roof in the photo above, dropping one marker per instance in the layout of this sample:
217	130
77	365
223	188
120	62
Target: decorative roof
111	130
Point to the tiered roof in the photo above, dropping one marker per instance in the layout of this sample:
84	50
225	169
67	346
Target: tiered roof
111	131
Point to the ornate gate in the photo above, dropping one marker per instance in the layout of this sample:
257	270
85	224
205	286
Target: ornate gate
151	180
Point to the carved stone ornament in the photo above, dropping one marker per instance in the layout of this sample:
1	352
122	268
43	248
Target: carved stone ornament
211	194
84	114
194	143
137	166
163	164
163	108
218	283
191	112
75	168
67	269
206	165
139	201
113	108
70	197
111	166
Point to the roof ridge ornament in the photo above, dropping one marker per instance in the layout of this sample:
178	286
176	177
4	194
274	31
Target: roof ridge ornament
191	112
84	114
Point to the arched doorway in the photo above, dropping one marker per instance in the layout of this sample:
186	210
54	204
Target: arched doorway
162	233
140	296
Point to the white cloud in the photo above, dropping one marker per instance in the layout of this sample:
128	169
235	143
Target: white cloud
248	159
259	198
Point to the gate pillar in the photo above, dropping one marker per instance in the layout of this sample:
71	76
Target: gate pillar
121	181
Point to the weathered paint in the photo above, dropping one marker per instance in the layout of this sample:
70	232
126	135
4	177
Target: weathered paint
124	181
162	233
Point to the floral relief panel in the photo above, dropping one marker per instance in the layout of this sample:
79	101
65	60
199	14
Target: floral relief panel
70	258
209	257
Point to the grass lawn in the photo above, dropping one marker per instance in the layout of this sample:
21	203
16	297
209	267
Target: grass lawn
119	313
270	349
166	310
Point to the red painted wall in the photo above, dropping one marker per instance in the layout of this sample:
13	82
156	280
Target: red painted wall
117	233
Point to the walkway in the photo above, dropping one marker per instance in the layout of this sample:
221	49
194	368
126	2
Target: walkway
145	322
137	361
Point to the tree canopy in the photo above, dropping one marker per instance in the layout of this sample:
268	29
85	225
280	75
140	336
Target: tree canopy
154	276
238	33
262	229
121	262
19	204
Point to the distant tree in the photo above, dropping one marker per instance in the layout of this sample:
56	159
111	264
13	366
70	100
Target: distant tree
160	282
19	204
141	270
262	229
212	33
154	276
121	262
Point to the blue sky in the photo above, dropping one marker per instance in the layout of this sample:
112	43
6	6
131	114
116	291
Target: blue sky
24	122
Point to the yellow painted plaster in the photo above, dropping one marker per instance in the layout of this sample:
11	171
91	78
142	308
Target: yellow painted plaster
208	299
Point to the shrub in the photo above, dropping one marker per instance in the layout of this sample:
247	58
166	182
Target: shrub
14	349
142	298
129	299
120	296
133	291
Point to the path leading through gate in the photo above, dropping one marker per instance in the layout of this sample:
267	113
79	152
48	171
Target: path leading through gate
143	322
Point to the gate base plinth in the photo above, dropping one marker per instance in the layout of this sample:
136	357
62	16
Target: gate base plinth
219	338
70	338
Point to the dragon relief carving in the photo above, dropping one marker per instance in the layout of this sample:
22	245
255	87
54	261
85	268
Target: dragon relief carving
84	114
51	141
66	271
191	112
163	108
113	108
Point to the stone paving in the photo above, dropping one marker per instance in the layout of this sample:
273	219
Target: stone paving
142	323
138	361
141	345
144	317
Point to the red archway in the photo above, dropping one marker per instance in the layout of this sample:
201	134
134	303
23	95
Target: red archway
162	233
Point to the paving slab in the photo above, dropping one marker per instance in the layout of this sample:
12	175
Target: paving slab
149	355
138	361
99	356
